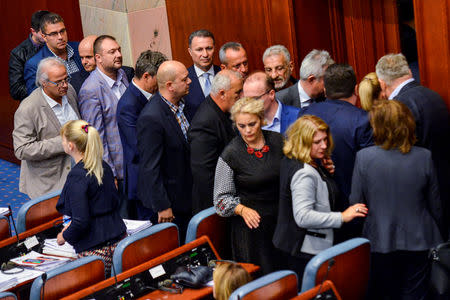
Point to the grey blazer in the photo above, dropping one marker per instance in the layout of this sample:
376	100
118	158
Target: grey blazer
37	144
290	96
311	209
402	194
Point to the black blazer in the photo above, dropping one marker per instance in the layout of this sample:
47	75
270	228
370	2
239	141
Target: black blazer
432	131
210	131
164	178
77	79
195	96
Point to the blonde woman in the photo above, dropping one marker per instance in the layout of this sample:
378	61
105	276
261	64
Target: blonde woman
369	91
246	186
89	196
228	277
308	194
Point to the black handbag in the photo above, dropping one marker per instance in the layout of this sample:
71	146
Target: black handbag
193	277
440	269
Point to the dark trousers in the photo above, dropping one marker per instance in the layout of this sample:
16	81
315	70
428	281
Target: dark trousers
123	199
399	275
298	265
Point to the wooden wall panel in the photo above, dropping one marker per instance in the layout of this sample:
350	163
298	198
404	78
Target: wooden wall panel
256	24
433	45
15	28
371	31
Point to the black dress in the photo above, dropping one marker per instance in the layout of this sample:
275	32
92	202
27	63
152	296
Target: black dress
254	182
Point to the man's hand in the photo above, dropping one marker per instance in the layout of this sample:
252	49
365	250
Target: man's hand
328	164
165	216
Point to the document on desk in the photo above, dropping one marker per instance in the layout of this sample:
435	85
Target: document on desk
8	281
41	262
134	226
51	247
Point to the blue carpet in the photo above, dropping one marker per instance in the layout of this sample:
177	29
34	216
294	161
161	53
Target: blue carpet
9	187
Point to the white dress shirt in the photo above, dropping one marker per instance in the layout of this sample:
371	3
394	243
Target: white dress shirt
399	87
145	93
305	99
64	112
117	86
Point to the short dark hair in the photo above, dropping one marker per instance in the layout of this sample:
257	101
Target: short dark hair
230	45
201	33
99	40
50	18
36	19
149	61
339	81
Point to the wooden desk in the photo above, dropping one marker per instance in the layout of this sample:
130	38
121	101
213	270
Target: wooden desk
187	293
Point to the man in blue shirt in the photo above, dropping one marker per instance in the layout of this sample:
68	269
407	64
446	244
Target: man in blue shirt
278	116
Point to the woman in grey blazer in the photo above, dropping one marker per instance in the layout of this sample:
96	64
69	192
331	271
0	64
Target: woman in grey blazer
306	216
398	183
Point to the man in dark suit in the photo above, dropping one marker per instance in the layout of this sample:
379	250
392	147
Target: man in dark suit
19	56
165	179
201	73
309	88
429	111
278	116
130	105
54	33
349	124
86	51
210	131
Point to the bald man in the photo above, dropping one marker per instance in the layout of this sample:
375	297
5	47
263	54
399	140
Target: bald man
164	178
86	50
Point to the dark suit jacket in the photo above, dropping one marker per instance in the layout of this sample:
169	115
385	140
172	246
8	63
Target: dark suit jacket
32	64
77	79
350	130
128	110
164	178
289	115
401	192
196	96
210	131
432	129
290	96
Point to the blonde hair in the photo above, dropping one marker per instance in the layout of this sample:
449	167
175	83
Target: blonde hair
248	105
227	278
369	90
87	140
393	126
300	137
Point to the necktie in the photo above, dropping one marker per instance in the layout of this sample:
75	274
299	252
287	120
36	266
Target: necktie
207	84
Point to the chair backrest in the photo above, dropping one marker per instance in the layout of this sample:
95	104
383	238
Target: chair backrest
7	296
5	231
38	211
322	288
145	245
273	286
349	272
208	223
69	278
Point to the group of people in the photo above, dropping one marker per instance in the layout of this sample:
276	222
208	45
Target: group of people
295	165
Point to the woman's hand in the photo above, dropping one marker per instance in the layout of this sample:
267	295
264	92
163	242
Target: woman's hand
357	210
250	216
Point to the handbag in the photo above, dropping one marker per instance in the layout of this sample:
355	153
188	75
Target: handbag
193	277
440	268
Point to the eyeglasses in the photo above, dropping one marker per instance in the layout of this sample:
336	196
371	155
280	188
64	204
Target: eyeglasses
259	97
56	33
61	82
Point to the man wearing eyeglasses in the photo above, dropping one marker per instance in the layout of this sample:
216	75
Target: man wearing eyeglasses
37	122
54	33
278	66
278	116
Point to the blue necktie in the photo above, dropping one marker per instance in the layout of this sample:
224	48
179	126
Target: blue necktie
207	84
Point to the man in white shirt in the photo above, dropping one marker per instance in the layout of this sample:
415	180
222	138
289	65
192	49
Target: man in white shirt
37	122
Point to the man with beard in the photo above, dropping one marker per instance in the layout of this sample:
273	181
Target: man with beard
278	66
37	122
98	98
309	88
54	33
165	179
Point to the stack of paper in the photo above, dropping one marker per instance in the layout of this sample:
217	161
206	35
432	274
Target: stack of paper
8	281
134	226
4	211
51	247
39	261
